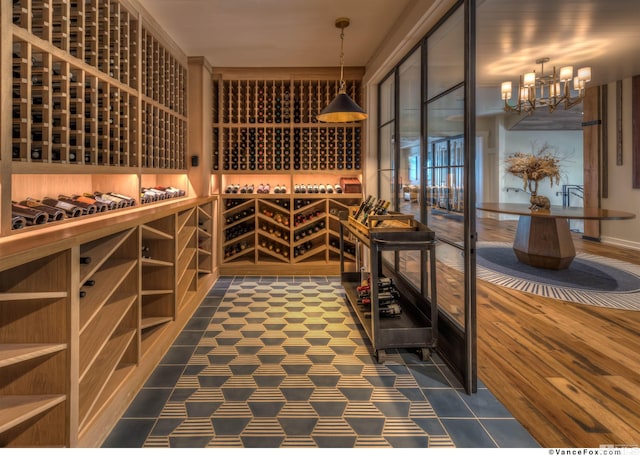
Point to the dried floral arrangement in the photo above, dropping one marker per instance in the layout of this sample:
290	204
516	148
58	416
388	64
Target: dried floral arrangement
535	167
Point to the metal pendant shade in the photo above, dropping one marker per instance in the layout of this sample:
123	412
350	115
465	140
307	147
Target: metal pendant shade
342	109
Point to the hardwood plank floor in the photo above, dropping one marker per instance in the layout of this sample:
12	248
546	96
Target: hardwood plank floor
569	373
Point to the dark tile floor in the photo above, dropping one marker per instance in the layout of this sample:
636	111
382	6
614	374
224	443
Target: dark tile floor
277	362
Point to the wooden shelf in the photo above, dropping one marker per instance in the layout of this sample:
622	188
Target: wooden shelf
37	295
96	334
18	353
108	279
149	232
157	263
151	322
100	251
96	379
15	410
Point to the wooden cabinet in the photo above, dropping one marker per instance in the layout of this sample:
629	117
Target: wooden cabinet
87	311
265	133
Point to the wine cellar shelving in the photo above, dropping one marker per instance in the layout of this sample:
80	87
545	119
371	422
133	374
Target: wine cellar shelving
34	303
108	319
97	88
283	230
267	146
103	300
75	87
164	122
157	247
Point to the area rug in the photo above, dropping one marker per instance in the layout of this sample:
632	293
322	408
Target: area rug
590	279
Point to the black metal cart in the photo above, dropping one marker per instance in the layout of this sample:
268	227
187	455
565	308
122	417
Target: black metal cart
417	325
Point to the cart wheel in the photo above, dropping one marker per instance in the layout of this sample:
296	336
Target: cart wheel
425	353
380	355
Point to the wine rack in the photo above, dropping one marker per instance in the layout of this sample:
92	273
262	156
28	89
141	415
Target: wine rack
266	135
34	345
187	240
63	111
285	231
164	122
108	318
158	273
205	239
88	310
94	92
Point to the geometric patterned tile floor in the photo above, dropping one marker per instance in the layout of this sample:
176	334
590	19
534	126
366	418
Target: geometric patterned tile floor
280	362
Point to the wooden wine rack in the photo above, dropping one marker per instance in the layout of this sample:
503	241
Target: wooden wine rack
283	233
265	132
96	89
86	313
75	83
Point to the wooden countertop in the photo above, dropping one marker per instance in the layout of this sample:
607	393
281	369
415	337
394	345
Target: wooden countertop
33	243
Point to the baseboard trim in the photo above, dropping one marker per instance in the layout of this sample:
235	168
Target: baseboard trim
621	242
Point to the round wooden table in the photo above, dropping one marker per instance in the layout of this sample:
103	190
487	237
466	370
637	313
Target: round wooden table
543	238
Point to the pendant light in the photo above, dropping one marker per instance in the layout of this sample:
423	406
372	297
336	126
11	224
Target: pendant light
342	108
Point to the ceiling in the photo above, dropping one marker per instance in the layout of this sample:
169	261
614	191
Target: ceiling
511	35
277	33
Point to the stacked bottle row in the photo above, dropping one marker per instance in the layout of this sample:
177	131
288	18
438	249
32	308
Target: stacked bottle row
283	230
326	148
164	78
164	138
31	211
61	114
277	101
311	97
159	193
102	33
261	149
267	149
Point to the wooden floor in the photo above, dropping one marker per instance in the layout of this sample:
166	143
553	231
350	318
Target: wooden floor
569	373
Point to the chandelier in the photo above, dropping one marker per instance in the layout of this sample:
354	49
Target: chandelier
550	90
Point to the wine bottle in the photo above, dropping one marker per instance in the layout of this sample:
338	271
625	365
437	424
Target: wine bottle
70	209
364	204
381	211
18	222
87	208
85	260
89	283
31	215
53	213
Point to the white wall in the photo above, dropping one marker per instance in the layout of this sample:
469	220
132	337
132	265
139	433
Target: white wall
621	196
567	146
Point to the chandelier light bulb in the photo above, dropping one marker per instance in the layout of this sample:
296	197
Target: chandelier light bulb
584	74
506	90
566	73
529	79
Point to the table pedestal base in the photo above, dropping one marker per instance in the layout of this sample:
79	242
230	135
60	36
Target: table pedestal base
544	242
